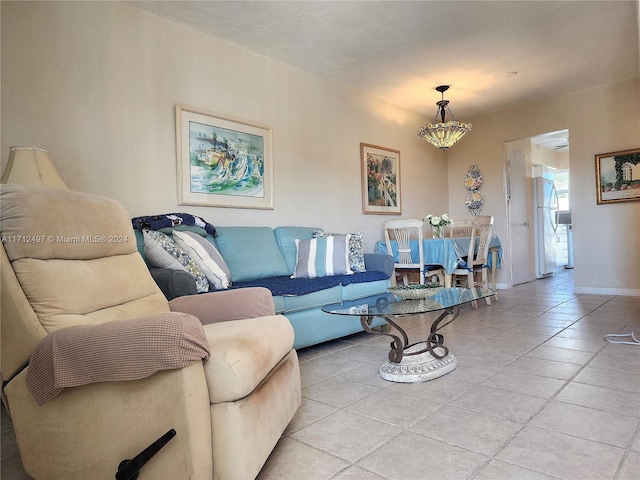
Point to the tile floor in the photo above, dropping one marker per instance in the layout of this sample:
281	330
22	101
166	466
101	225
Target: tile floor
538	394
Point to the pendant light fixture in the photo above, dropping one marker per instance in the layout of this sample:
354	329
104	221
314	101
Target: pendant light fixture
443	134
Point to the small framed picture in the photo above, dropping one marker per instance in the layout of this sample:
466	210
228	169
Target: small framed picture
618	176
223	161
380	180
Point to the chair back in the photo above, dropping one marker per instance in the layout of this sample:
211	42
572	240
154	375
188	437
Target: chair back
465	228
483	225
478	229
461	228
69	258
403	231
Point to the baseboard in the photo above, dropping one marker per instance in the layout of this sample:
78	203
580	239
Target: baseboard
633	292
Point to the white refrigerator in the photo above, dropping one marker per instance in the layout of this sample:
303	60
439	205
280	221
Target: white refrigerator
545	224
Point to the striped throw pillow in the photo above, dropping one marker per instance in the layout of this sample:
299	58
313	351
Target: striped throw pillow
322	257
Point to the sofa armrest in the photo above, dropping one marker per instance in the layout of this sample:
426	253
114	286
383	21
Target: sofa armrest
380	262
225	305
173	283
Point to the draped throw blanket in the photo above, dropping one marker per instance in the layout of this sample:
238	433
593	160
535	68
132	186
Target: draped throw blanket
156	222
114	351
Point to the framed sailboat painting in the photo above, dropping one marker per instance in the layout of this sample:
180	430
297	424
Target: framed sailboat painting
223	161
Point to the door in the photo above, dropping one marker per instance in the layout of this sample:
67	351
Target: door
520	208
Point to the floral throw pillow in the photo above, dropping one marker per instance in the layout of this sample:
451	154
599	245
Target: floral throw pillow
163	252
356	252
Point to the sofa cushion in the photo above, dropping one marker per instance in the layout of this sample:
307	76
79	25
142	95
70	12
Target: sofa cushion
163	252
251	252
322	257
206	256
356	251
286	239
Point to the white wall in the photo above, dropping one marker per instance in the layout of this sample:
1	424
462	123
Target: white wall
606	237
96	83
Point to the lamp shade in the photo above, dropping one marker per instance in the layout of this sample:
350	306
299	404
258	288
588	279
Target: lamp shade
31	166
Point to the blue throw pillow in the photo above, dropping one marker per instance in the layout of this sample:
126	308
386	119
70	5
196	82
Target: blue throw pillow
251	253
322	257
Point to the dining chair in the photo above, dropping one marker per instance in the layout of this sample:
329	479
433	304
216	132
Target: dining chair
403	231
472	271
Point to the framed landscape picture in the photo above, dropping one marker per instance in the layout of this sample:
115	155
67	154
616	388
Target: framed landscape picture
618	176
223	161
380	180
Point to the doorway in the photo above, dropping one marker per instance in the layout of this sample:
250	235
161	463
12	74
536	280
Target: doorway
543	155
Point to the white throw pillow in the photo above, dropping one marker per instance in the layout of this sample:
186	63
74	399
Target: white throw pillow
206	256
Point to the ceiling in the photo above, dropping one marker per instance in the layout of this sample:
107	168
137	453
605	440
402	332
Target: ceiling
400	51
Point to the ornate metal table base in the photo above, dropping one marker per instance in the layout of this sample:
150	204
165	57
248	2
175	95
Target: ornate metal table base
418	368
420	361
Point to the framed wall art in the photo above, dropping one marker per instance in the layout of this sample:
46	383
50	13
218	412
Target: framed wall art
618	176
380	180
223	161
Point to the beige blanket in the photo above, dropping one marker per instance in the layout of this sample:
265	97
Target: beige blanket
114	351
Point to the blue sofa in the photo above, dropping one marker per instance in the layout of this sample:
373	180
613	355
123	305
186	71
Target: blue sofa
266	257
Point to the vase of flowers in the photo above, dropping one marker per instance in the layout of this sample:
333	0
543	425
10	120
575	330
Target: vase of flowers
437	224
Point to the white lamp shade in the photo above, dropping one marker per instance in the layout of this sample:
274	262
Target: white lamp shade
31	166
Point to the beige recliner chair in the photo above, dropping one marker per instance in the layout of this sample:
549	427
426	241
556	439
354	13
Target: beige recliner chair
71	274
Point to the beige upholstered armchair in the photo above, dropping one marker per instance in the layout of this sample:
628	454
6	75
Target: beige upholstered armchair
97	365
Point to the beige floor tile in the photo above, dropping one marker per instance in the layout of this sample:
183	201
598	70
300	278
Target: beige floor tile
357	473
544	368
332	364
498	345
368	374
309	412
338	393
499	403
536	329
635	445
575	344
309	376
534	385
588	423
561	455
347	435
614	401
394	407
627	381
413	456
497	470
489	358
294	460
366	353
440	390
560	355
470	430
468	372
630	467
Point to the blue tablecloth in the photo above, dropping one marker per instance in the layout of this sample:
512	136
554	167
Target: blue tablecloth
447	252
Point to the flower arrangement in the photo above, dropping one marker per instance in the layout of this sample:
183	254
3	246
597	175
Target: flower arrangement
437	224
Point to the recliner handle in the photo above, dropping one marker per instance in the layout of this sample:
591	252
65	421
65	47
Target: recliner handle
129	469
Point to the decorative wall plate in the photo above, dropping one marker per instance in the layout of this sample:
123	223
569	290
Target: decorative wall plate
473	180
473	200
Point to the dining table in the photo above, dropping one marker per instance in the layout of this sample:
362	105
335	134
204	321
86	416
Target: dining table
448	252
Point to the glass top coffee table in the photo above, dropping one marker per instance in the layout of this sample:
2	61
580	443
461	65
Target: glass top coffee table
426	359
